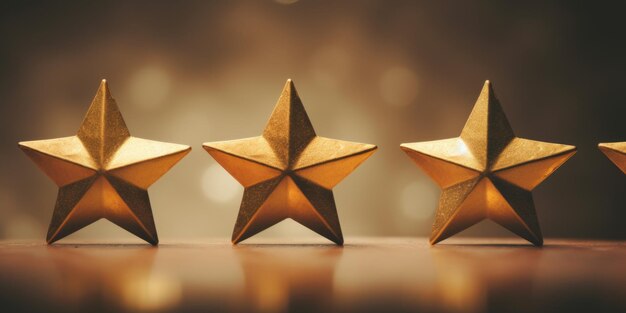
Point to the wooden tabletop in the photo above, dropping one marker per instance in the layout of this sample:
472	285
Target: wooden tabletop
365	275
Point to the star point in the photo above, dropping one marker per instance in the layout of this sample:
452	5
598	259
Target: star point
103	129
487	172
288	171
289	128
616	152
487	130
103	172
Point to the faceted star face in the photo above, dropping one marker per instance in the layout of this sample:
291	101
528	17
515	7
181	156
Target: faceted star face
288	172
103	172
616	152
487	173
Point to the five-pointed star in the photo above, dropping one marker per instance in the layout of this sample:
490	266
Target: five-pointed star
288	172
103	172
487	172
616	152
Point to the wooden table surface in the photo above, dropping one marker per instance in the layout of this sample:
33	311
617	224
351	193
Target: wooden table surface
366	275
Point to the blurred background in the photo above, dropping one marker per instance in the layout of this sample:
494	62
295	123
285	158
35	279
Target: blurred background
382	72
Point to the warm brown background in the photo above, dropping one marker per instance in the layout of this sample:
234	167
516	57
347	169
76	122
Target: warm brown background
382	72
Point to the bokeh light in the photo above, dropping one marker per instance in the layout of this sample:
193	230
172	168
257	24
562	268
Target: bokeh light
377	72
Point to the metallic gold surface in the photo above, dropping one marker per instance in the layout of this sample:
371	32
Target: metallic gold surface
616	152
487	173
289	171
103	172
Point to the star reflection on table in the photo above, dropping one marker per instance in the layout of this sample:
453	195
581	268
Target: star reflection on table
366	275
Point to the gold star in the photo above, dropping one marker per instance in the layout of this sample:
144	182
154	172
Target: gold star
103	172
487	173
289	171
616	152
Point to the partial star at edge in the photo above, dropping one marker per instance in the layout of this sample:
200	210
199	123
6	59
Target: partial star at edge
616	152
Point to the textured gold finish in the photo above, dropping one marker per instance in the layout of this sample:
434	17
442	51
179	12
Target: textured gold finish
289	171
487	172
103	172
616	152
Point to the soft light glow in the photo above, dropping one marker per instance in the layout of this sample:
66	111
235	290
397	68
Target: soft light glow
149	87
22	226
153	292
330	65
460	149
398	86
271	295
418	200
460	291
218	185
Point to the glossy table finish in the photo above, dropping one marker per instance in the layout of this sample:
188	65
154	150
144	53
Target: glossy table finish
367	274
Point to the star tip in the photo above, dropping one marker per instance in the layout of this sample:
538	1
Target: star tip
207	146
104	88
488	87
571	149
152	239
336	239
371	147
236	238
289	84
405	147
435	240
